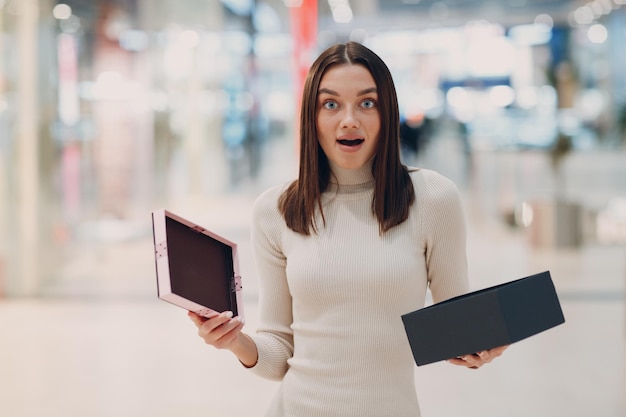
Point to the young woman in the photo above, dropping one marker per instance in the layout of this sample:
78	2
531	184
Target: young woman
345	250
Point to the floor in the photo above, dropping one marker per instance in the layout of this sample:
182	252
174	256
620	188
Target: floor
98	342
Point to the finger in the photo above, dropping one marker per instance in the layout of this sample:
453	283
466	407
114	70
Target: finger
196	319
491	354
217	321
214	328
237	325
467	361
485	356
224	335
473	361
457	361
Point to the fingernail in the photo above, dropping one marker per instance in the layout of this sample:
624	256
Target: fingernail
228	314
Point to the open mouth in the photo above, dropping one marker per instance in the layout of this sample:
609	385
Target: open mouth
351	142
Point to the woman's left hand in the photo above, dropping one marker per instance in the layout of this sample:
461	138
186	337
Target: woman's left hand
476	360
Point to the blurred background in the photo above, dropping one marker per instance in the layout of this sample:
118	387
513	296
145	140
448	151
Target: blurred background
110	109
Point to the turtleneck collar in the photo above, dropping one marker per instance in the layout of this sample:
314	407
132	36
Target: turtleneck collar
358	176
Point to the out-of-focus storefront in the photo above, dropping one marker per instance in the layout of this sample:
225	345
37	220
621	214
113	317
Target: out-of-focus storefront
528	99
109	109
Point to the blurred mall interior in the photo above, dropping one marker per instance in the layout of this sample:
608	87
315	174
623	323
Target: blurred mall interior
110	109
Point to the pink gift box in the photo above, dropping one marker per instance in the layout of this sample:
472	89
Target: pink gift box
196	269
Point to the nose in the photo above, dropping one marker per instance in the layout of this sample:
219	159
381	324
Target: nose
349	119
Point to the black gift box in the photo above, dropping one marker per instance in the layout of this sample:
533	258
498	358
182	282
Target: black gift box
483	319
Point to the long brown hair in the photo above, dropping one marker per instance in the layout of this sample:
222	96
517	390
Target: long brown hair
393	193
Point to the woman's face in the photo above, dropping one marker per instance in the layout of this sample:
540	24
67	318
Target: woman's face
348	121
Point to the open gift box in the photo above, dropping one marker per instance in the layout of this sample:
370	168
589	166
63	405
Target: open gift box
196	269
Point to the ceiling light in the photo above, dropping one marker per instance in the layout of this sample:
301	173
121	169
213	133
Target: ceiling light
62	11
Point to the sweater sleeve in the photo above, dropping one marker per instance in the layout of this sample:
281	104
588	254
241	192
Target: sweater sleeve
443	222
274	337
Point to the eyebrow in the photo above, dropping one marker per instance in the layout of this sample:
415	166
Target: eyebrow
334	93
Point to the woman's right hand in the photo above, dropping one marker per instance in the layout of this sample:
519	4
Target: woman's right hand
220	331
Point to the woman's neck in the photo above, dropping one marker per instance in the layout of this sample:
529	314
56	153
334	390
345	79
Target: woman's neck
344	176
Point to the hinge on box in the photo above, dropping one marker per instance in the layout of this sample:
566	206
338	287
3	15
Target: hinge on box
235	284
161	250
198	229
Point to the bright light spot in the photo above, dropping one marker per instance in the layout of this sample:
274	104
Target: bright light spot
490	57
607	6
527	98
62	11
526	214
117	23
342	12
458	97
279	105
544	19
430	99
583	15
358	35
189	39
461	105
596	8
502	95
590	103
533	34
177	62
547	97
571	19
110	85
569	122
483	29
393	43
611	222
597	34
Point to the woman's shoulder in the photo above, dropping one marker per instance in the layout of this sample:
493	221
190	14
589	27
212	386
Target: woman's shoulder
438	199
267	201
428	179
434	189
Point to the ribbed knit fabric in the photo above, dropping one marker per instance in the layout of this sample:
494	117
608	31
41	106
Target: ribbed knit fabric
330	304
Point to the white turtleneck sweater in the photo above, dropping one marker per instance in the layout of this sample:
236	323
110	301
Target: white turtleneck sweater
330	304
